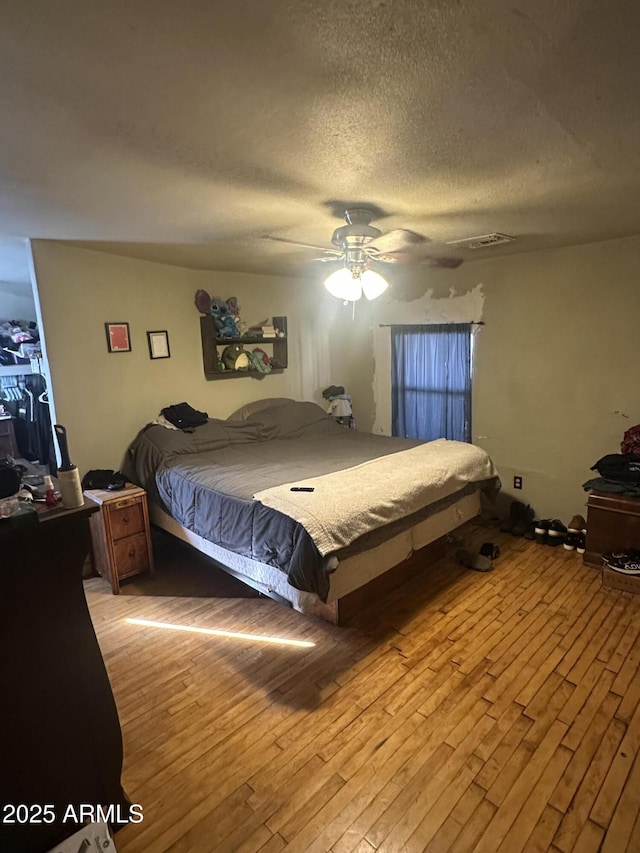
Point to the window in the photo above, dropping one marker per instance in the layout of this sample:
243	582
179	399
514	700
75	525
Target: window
431	381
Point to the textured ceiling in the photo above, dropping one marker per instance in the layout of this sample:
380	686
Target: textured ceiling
183	131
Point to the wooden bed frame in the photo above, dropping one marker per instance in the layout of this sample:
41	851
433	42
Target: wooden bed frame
344	609
386	566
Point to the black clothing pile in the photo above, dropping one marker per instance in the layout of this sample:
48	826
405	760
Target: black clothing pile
184	416
619	473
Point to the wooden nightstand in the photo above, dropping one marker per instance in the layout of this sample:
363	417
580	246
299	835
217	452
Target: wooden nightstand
120	534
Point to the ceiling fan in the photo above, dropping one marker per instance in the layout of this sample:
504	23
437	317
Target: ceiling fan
360	245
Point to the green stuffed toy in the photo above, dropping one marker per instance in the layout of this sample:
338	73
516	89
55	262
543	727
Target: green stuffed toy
234	357
260	361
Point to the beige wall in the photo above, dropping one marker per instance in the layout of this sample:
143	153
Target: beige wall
555	382
105	398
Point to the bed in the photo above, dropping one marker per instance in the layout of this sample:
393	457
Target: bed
301	508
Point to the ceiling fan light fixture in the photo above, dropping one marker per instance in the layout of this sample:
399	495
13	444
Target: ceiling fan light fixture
343	285
373	284
358	243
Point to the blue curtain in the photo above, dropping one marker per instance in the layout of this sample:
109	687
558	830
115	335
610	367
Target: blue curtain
431	381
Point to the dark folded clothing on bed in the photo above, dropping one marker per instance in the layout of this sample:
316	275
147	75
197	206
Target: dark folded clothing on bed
184	416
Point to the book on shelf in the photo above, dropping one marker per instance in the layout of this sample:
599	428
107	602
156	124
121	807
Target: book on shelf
266	329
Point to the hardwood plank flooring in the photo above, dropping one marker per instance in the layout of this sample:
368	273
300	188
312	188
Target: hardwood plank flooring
466	711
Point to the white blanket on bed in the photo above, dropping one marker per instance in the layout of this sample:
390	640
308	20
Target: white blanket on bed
347	504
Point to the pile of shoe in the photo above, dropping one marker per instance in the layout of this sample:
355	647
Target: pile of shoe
551	531
576	535
625	562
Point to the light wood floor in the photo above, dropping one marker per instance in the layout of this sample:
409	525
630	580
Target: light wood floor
489	712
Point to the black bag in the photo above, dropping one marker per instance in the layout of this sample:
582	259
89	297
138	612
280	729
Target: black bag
103	478
184	416
9	481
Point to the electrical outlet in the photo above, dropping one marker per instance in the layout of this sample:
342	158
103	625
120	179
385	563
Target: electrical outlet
517	482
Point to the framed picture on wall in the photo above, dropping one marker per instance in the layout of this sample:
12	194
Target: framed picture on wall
158	344
118	339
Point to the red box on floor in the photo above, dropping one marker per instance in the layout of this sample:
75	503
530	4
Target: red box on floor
616	580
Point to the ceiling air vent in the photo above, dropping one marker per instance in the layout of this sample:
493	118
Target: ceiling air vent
482	242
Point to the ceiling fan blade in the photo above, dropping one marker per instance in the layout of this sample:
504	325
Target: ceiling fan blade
330	259
414	259
297	243
399	240
444	263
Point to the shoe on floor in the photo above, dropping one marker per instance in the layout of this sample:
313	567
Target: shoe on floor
541	530
615	557
477	562
515	514
488	549
577	524
630	567
557	532
525	517
581	543
571	542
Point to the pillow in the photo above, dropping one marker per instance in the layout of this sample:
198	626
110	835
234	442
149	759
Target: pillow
291	420
243	412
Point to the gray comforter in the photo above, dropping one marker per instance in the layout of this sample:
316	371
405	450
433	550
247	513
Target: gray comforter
206	481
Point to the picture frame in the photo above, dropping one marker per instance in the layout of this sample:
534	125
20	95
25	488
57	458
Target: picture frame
159	344
118	337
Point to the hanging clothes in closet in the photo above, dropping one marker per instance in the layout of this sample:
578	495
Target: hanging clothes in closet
25	398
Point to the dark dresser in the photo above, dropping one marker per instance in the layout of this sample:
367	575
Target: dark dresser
613	524
60	737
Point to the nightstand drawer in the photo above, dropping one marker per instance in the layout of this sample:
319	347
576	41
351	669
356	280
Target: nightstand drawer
131	555
126	520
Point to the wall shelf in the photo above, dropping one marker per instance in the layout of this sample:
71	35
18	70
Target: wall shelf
212	348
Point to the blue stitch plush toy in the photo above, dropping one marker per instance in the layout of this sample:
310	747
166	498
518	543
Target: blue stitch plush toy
219	310
225	324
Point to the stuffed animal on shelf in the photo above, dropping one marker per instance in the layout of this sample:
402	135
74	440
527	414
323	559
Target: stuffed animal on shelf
234	357
260	361
203	301
234	310
219	310
225	324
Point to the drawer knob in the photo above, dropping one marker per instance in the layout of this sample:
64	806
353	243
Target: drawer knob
132	552
125	520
